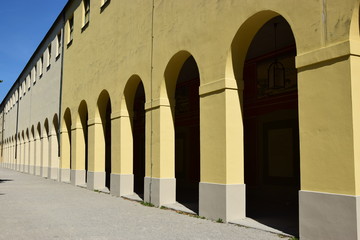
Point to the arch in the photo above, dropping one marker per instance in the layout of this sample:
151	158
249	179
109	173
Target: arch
27	150
66	144
38	152
46	131
104	111
55	131
171	72
82	119
263	39
133	103
182	81
242	40
354	31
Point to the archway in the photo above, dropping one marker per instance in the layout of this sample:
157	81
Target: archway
187	135
104	106
84	117
271	131
66	143
138	130
38	158
54	148
45	149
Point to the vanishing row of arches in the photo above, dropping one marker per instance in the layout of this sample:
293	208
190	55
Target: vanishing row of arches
35	150
269	117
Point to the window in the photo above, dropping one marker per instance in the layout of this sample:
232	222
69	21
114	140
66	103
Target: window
34	74
86	12
104	4
48	56
24	87
71	29
41	66
28	81
58	44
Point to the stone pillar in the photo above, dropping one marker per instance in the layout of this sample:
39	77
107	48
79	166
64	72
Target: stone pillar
65	149
31	156
53	157
18	156
27	149
96	170
122	177
222	188
78	173
160	161
329	122
38	154
44	155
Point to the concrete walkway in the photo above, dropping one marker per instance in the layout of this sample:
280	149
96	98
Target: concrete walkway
35	208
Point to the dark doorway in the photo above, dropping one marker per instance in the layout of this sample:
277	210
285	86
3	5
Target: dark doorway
187	135
107	133
138	130
83	112
271	130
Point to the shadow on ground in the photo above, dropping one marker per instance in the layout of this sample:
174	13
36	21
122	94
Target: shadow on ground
5	180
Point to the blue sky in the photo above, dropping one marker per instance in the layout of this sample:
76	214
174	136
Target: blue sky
23	24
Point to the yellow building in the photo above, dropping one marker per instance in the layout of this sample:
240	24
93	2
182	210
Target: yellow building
231	109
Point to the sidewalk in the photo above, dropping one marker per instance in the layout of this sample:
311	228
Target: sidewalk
35	208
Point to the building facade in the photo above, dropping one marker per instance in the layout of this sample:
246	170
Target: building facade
30	111
233	109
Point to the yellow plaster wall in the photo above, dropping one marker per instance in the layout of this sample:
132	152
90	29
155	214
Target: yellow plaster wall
117	44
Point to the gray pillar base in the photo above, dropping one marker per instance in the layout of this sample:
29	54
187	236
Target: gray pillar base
96	180
78	177
64	175
121	184
329	216
225	201
53	173
44	172
163	190
37	170
21	168
31	169
26	169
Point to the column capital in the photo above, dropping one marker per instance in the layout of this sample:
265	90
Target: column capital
156	103
220	85
327	53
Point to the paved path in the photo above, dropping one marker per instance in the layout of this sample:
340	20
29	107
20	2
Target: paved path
35	208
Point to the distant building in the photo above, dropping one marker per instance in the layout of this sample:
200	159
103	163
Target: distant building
233	109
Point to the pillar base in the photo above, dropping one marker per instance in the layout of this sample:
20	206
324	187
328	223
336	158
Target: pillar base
78	177
44	172
31	169
121	184
53	173
37	170
224	201
65	175
96	180
328	216
163	190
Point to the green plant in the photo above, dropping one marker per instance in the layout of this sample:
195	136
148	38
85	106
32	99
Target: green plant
147	204
219	220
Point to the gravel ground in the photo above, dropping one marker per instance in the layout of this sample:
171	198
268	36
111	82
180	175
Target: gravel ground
32	207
